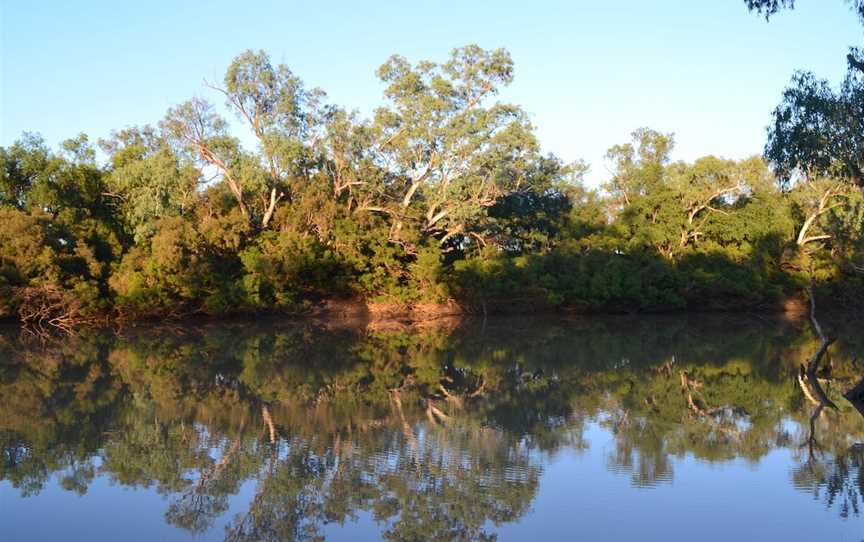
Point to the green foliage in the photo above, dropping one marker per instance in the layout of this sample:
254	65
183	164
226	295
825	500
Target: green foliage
281	265
56	231
820	131
441	196
147	180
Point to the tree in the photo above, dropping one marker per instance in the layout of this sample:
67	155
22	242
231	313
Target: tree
705	188
818	131
201	135
284	116
21	167
443	195
668	206
812	200
770	7
449	155
56	202
638	166
147	180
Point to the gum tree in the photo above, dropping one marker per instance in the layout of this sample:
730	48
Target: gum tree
449	152
283	116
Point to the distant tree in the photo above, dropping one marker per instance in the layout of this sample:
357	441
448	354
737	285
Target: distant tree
638	166
199	134
672	213
284	117
147	180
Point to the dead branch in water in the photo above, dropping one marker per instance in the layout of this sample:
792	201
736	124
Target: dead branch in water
818	395
812	443
47	308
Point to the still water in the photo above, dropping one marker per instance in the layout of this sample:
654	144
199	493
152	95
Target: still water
650	428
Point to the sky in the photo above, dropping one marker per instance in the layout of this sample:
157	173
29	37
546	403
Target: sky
588	72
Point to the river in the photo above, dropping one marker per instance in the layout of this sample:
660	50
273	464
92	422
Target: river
616	428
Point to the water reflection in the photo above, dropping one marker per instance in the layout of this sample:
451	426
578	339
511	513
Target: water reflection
428	434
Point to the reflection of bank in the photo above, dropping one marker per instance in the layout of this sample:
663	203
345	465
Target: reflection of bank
434	430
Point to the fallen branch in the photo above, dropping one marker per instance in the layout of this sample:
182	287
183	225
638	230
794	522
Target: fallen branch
45	308
818	393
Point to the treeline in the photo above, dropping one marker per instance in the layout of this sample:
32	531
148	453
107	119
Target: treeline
443	195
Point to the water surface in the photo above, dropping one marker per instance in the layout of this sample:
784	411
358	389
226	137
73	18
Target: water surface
650	428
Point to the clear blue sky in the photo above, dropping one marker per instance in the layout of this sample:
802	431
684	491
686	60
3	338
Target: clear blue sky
589	72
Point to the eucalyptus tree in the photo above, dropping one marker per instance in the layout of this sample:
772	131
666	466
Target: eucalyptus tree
284	117
819	131
705	188
350	161
450	154
674	214
22	164
669	206
201	136
68	184
771	7
637	166
814	201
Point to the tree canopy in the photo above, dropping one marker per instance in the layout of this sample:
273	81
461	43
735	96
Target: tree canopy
442	196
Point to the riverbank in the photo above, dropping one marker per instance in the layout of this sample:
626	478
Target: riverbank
361	312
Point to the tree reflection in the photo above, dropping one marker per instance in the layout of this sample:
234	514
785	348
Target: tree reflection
436	434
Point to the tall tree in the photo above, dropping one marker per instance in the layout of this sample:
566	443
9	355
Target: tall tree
451	156
813	200
285	118
198	133
638	166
